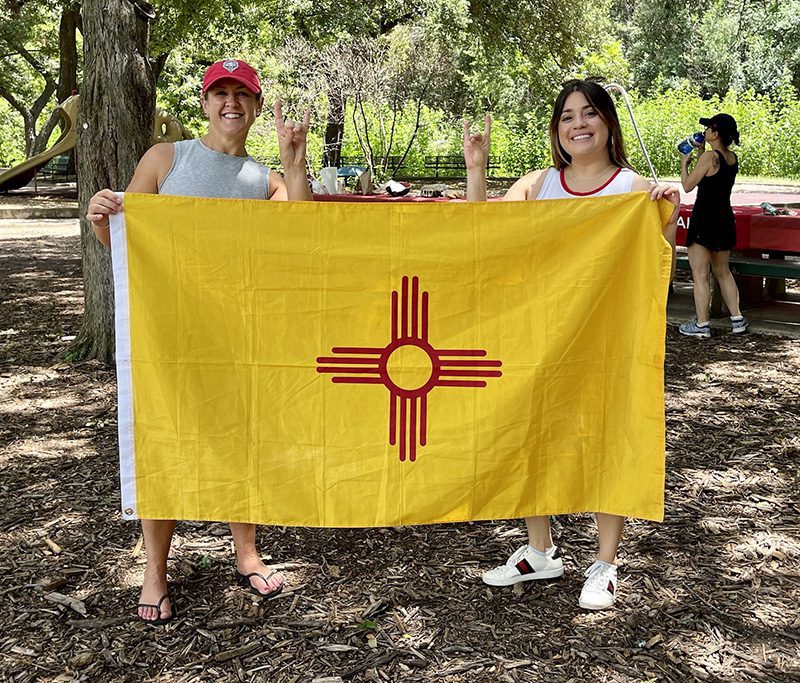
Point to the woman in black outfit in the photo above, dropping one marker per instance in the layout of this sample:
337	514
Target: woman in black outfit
712	230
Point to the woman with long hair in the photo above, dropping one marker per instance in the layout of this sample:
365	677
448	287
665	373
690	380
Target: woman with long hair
588	161
712	229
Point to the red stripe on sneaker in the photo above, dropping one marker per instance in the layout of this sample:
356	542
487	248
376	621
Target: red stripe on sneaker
610	588
524	568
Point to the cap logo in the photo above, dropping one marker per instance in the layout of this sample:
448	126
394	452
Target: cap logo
230	65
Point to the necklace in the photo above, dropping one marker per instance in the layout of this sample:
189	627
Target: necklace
586	180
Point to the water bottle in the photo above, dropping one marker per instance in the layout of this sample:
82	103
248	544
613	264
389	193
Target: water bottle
694	141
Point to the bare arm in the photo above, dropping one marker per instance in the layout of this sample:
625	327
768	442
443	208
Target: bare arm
476	154
150	171
277	187
292	145
706	165
527	187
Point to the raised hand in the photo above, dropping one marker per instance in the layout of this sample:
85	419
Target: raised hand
292	136
476	146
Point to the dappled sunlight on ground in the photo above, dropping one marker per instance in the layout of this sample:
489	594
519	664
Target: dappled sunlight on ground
710	594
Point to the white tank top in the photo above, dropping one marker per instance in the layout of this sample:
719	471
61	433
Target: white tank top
555	185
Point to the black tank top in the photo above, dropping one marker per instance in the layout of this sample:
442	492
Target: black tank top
714	191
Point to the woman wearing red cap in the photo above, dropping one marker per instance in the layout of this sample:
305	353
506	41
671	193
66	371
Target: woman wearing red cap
215	165
712	230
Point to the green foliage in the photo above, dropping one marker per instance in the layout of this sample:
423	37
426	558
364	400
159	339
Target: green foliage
769	128
658	37
202	562
715	45
28	56
12	142
608	61
442	60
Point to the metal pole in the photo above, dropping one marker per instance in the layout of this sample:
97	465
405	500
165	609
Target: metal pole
615	86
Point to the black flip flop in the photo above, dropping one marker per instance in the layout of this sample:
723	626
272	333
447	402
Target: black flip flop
159	621
244	580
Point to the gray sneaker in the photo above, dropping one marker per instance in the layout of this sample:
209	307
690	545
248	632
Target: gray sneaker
739	326
692	329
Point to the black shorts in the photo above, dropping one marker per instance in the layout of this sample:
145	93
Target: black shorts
715	234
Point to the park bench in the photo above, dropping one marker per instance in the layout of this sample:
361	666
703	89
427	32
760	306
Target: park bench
774	265
59	167
448	165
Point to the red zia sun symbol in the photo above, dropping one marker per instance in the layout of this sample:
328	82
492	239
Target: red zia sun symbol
409	347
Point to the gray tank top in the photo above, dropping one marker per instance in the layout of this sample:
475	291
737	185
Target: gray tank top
198	171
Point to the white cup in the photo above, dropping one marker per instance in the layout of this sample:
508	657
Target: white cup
328	177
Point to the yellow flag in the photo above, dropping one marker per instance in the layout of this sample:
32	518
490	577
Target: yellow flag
355	364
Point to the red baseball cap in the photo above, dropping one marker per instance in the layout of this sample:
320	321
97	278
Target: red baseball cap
234	69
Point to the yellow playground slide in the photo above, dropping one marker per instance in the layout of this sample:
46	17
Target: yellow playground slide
22	174
166	128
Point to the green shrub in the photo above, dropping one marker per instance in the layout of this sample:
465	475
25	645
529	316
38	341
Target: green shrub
12	139
769	129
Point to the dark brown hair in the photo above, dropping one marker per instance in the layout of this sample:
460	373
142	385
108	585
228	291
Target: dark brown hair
601	102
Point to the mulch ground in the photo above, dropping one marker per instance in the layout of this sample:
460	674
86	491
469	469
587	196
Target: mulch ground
710	595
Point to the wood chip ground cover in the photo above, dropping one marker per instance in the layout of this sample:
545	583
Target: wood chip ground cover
710	595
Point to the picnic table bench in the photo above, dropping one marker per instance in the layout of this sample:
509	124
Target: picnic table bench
60	166
448	163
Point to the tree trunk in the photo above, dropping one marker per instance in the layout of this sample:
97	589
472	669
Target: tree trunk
67	73
158	65
68	53
115	118
43	136
31	116
334	129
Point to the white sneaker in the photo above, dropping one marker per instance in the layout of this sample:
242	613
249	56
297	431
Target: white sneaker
526	564
600	588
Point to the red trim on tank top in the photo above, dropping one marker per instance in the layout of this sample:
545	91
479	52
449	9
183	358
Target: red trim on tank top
586	194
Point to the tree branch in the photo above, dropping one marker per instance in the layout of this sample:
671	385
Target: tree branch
37	65
13	101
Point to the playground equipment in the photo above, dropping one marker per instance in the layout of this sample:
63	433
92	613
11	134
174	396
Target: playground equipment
166	128
21	174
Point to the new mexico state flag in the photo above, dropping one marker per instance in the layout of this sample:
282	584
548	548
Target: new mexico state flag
357	364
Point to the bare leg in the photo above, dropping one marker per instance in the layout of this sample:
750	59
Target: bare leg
730	292
699	259
539	536
157	539
248	559
609	533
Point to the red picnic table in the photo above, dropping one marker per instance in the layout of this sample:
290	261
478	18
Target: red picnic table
755	230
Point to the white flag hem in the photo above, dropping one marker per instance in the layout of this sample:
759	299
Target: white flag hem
122	318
